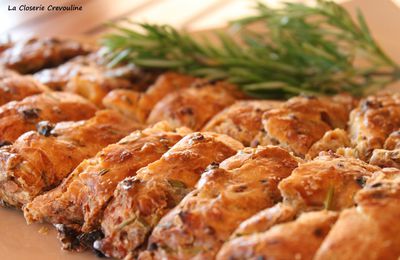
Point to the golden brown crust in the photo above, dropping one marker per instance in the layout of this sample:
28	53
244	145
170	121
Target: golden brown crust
38	161
386	158
242	120
95	86
35	54
299	239
5	73
16	87
301	121
225	196
83	196
18	117
265	219
139	105
126	102
390	155
192	107
86	76
140	202
56	78
373	121
393	141
330	142
371	231
329	181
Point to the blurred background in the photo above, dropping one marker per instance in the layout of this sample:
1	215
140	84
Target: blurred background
383	16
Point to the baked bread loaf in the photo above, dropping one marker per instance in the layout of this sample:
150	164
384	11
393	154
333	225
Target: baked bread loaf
227	194
140	202
39	160
82	197
34	54
18	117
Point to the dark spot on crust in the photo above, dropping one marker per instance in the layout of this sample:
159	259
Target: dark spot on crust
152	247
125	155
30	114
128	183
318	232
183	215
376	185
361	180
103	172
326	118
187	111
369	104
340	165
240	188
5	143
198	137
209	230
260	257
44	128
212	166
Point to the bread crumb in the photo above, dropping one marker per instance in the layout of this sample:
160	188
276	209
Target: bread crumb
44	230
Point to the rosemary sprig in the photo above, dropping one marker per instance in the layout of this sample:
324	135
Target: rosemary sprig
295	49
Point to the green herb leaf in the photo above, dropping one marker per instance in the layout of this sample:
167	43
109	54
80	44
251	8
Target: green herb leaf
296	49
329	198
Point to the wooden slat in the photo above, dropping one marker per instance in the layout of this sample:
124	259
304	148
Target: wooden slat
173	12
219	17
396	2
383	18
235	9
100	28
170	12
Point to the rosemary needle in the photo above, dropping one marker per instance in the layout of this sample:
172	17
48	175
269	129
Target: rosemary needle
296	49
